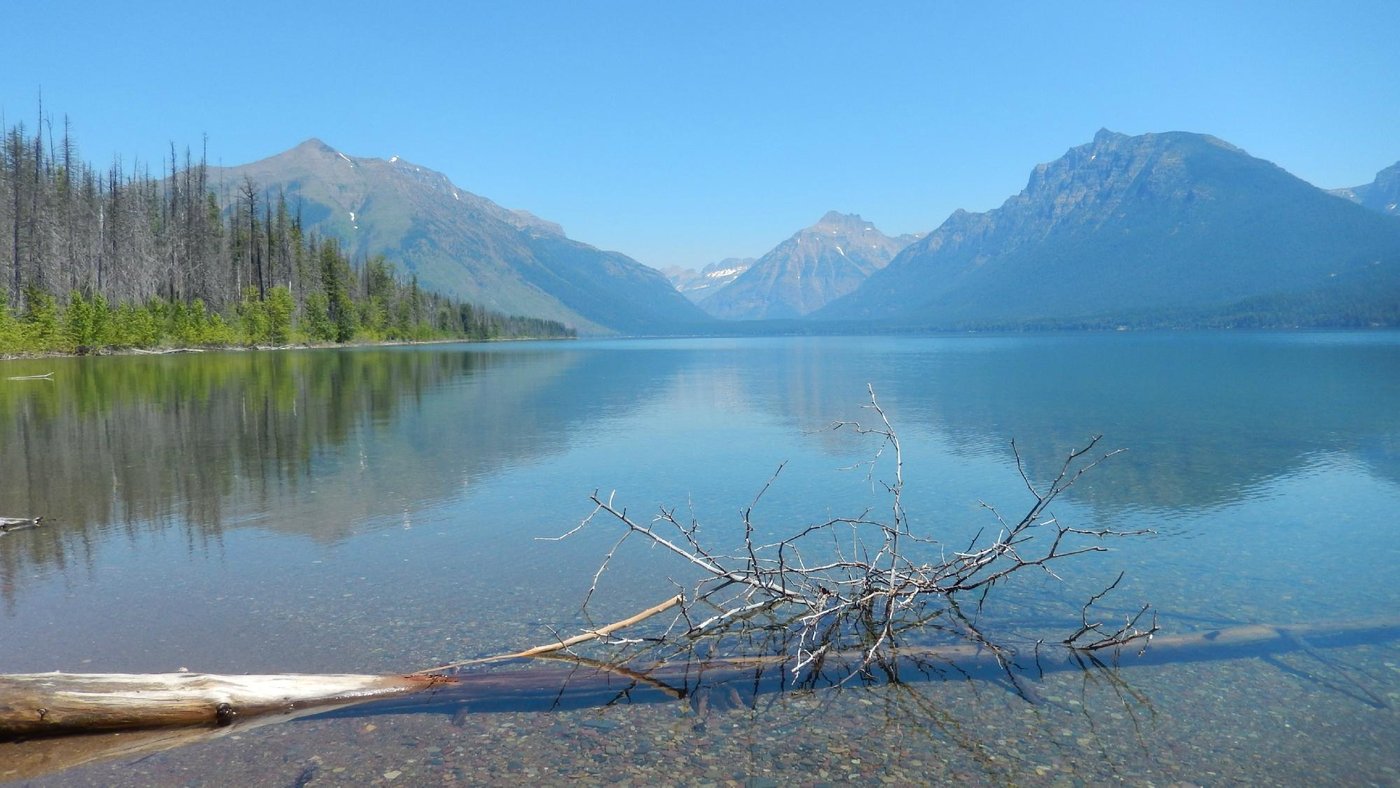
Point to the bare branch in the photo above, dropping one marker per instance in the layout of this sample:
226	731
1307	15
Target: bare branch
876	578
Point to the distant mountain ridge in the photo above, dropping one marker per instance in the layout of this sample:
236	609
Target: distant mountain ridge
699	285
1381	195
465	245
807	271
1157	229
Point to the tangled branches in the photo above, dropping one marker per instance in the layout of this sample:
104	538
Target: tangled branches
856	584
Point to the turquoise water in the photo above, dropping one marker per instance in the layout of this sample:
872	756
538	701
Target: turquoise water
380	510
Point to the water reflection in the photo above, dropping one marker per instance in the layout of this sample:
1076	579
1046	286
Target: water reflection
1207	417
140	443
316	442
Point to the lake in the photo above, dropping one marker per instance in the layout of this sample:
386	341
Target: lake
384	510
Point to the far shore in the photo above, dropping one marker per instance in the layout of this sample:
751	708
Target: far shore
134	351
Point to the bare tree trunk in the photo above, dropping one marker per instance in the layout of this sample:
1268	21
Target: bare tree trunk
17	162
250	194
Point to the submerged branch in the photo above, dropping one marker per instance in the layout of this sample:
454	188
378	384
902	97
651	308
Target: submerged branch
873	583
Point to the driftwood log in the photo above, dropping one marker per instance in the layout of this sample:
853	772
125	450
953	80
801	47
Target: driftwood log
8	524
582	683
38	705
54	704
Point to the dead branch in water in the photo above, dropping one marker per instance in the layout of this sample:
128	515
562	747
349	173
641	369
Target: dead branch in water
865	581
166	351
8	524
601	633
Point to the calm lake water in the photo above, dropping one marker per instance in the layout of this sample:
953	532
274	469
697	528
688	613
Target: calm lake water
378	510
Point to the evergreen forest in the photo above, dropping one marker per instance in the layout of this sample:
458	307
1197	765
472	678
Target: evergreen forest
96	260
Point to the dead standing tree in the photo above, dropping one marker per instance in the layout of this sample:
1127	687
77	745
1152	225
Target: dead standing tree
858	584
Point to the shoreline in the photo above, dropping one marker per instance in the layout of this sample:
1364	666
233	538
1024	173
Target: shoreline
133	351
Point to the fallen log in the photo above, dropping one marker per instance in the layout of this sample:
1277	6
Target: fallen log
56	704
53	704
8	524
35	705
587	683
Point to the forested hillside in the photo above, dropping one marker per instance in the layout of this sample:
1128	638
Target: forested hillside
148	255
463	244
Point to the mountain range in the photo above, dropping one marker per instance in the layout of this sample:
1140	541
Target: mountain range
817	265
1156	230
464	245
1174	229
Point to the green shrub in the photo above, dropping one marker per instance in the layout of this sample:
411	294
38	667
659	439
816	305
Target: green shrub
41	328
278	309
317	320
86	324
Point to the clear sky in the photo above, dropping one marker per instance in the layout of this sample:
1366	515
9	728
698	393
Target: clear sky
684	132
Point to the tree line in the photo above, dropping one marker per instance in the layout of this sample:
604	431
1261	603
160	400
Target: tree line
93	259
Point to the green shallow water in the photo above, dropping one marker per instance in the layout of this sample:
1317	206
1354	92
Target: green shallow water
379	510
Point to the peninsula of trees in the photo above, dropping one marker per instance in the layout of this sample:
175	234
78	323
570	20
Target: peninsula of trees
125	258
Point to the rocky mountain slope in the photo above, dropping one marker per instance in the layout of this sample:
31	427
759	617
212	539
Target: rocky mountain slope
463	244
807	271
1381	195
699	285
1152	230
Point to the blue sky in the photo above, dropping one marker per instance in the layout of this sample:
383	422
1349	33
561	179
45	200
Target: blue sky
681	133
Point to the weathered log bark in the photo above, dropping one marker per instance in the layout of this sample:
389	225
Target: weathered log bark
55	704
